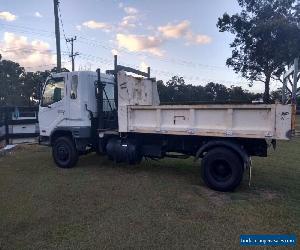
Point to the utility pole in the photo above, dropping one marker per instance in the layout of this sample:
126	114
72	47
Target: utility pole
71	40
57	35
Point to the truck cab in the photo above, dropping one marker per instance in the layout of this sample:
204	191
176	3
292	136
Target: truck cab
68	105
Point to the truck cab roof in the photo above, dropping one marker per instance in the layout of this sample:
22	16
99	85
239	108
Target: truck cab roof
104	77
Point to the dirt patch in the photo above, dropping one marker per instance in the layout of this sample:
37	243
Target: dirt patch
268	194
213	197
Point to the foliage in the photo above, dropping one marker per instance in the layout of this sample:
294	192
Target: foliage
176	91
277	95
267	38
10	82
18	87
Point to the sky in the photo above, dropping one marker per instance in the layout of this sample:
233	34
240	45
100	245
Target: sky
173	37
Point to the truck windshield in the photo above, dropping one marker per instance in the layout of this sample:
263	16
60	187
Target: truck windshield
54	91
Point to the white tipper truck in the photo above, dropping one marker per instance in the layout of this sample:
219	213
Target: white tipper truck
120	115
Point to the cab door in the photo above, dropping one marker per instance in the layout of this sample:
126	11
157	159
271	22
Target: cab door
52	109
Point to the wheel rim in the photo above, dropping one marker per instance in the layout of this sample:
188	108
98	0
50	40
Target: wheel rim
63	153
221	170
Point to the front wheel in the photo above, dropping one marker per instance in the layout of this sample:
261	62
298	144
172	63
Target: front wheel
222	169
64	152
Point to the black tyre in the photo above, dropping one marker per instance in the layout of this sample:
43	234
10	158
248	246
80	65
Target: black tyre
222	169
64	152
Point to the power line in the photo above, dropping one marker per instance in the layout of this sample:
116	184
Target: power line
108	62
178	61
30	51
104	61
9	50
165	59
28	32
41	66
27	28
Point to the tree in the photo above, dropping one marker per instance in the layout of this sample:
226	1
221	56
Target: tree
176	81
10	84
175	91
32	84
276	95
267	38
237	94
18	87
216	92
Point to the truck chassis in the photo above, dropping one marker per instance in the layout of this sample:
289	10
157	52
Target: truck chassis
134	126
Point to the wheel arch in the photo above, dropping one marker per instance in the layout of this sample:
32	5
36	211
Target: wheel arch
235	147
59	133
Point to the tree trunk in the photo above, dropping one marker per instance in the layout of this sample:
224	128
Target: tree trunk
267	90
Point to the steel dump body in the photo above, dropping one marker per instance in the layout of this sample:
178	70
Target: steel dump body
245	121
139	113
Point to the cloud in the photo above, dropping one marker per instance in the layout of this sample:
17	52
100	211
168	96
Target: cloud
150	27
183	30
31	55
131	10
197	39
131	19
115	52
38	14
120	5
97	25
7	16
140	43
78	27
128	22
144	67
175	31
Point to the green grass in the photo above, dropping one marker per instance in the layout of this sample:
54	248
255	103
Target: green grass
156	205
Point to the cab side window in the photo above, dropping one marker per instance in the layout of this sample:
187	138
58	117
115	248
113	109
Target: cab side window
54	91
74	85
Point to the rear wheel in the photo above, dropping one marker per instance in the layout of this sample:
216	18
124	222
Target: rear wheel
222	169
64	152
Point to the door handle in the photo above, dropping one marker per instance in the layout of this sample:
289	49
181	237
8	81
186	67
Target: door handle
60	111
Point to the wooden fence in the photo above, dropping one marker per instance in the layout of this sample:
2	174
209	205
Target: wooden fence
18	124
